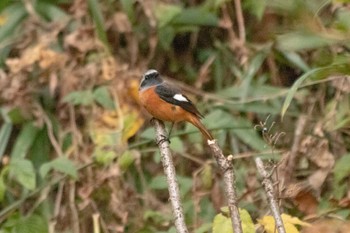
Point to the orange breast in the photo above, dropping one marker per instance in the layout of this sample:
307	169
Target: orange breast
161	109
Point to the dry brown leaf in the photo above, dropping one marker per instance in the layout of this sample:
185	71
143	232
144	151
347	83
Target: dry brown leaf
328	226
316	149
109	68
302	196
82	40
342	83
51	59
46	58
121	22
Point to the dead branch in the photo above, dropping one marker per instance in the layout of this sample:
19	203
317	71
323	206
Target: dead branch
225	165
287	166
270	195
170	173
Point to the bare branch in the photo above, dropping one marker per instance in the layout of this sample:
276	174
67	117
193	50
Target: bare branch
225	165
270	195
289	161
240	21
170	173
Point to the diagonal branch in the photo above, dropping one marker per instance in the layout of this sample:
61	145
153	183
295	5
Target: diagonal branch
270	195
226	167
169	170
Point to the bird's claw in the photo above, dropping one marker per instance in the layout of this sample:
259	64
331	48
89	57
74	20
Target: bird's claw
163	139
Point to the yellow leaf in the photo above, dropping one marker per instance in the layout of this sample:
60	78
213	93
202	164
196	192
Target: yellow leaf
268	222
222	223
294	220
132	123
133	90
3	19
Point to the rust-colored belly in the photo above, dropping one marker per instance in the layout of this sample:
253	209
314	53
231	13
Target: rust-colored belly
161	109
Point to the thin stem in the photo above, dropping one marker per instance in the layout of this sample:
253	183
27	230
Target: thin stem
270	195
169	170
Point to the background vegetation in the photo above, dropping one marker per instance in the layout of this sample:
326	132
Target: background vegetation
78	153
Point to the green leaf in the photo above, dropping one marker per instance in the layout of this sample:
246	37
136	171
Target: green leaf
185	183
4	4
256	8
61	164
253	68
247	134
206	176
176	145
319	73
126	159
165	13
3	173
343	19
296	60
103	97
5	133
149	133
103	156
342	168
40	150
204	228
51	11
166	36
158	182
80	98
24	140
23	171
195	16
97	16
32	224
128	8
240	127
156	217
213	5
14	15
296	41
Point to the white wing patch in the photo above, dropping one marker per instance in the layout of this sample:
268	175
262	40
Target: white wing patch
180	97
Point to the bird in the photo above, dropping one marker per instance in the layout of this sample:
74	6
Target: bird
166	102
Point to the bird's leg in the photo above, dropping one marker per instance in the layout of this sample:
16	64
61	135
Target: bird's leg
171	128
164	138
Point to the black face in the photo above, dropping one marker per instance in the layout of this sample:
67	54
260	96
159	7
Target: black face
150	78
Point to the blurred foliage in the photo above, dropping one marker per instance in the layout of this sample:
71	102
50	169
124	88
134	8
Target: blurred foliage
74	142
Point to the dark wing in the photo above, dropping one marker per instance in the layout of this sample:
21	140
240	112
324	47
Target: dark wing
167	92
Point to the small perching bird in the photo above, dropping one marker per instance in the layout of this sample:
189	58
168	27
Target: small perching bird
167	102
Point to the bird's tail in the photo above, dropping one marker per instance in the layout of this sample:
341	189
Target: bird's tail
196	122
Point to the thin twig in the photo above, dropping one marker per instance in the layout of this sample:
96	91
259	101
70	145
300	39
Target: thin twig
73	208
169	170
57	208
226	167
96	223
270	195
240	21
287	166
